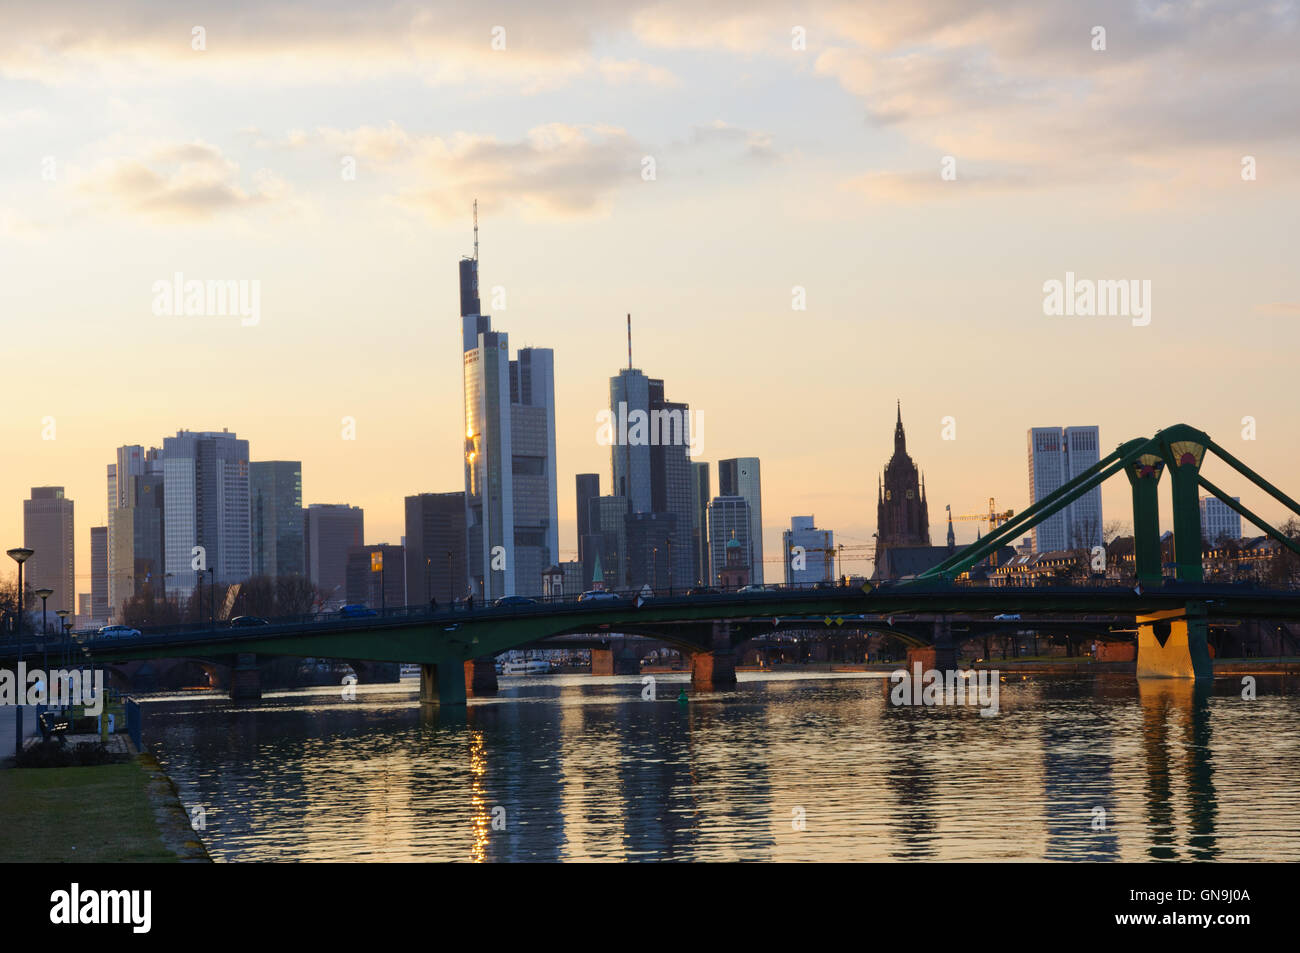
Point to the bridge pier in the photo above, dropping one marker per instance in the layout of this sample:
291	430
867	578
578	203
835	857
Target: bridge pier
615	660
245	679
1174	644
443	684
714	670
481	676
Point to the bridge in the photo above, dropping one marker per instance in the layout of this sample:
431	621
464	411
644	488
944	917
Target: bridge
455	647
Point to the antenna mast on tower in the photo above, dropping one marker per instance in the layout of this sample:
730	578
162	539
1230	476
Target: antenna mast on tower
476	229
629	342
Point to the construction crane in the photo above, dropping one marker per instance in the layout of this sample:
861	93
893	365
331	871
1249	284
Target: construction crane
992	517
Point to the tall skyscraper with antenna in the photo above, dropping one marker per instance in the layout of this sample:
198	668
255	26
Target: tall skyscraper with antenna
511	504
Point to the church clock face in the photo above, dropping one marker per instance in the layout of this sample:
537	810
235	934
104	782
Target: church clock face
889	494
911	494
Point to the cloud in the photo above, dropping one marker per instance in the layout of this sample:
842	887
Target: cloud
516	44
556	170
1288	309
178	183
757	145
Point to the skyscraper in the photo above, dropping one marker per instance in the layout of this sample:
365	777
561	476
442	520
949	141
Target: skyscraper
651	464
670	479
729	523
1056	456
587	486
814	561
740	477
629	455
137	553
700	496
435	547
48	530
206	503
275	510
608	521
132	460
99	573
329	531
511	503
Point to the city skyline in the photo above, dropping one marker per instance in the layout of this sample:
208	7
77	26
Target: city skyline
769	158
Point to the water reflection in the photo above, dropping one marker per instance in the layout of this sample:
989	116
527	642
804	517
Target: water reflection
574	767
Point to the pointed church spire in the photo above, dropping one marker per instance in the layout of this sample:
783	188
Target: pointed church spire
900	441
952	539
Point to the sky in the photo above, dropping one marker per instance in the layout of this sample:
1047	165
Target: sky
913	173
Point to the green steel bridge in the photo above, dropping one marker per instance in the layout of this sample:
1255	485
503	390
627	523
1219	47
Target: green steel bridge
1170	616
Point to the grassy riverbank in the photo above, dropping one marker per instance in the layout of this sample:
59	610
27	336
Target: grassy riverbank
111	813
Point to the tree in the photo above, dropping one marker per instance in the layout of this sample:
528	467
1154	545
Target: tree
1283	570
9	608
295	595
146	608
1111	530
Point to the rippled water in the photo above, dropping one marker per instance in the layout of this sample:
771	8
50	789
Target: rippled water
586	770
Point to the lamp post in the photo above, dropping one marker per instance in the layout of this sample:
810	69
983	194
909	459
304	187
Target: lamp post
20	555
670	566
451	586
67	635
212	597
44	593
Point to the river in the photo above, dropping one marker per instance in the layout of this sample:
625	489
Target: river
789	767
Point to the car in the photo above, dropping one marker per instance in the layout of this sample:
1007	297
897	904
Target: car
515	601
1007	617
357	611
753	588
703	591
598	595
824	585
117	632
241	621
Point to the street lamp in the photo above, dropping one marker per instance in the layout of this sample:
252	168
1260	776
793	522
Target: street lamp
20	555
67	641
44	593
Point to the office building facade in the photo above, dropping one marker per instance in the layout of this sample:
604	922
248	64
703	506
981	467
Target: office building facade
511	502
740	477
48	526
701	493
99	573
435	547
1219	521
330	530
275	512
809	553
1056	456
729	520
206	504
